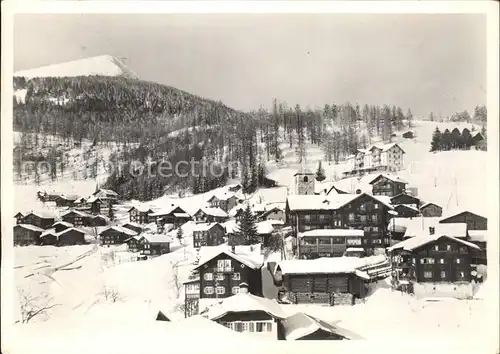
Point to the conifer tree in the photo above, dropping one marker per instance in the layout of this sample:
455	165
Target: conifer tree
436	141
247	228
111	213
320	173
180	234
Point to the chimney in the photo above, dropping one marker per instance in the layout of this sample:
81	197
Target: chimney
243	288
431	230
233	248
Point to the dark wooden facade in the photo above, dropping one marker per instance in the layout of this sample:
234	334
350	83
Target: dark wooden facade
202	216
44	222
221	277
385	186
78	219
71	237
408	135
154	248
430	210
134	244
49	240
61	227
406	212
140	216
407	199
473	221
24	236
132	227
19	218
98	220
209	235
363	213
112	236
327	246
249	321
225	204
444	260
64	201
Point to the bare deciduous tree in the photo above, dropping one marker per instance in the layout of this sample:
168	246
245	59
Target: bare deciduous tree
111	294
34	306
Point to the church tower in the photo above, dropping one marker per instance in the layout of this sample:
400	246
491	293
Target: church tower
304	182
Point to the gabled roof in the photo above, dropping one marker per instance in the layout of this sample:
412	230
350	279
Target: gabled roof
68	197
243	302
49	232
430	203
120	229
166	210
134	224
141	208
224	195
407	206
64	223
264	227
157	238
449	216
419	241
18	213
206	226
68	230
78	212
246	259
107	192
332	233
451	229
329	202
406	195
30	227
218	212
41	215
392	178
273	209
301	325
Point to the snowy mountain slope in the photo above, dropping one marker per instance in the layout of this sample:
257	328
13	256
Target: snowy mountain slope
105	65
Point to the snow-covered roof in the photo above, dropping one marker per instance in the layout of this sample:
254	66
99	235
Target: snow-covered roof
218	212
165	210
430	203
134	224
390	177
243	302
230	226
41	215
141	208
205	226
332	233
68	230
78	212
408	206
327	265
121	229
30	227
157	238
264	227
273	195
300	325
68	197
399	224
329	202
250	260
223	194
414	242
456	212
63	223
49	232
478	235
451	229
107	192
355	249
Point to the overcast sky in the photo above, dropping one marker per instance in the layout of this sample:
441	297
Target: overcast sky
423	62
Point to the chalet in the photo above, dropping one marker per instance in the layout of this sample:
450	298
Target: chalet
70	237
27	234
78	218
80	203
428	264
155	245
66	200
134	243
408	135
388	185
473	221
234	187
140	214
457	230
162	317
61	225
221	274
210	215
397	226
43	221
98	220
265	231
431	210
113	235
106	194
19	218
406	211
301	326
387	157
244	312
208	234
406	199
94	205
49	238
134	227
275	213
343	211
328	242
224	200
173	214
328	281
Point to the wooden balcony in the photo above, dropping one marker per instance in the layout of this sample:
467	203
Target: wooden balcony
312	249
224	270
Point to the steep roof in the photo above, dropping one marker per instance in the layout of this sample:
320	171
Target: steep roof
300	325
407	206
415	242
218	212
430	203
166	210
49	232
30	227
451	229
107	192
70	229
264	227
243	302
332	233
120	229
205	226
156	238
41	215
78	212
390	177
141	208
329	202
63	223
246	259
456	213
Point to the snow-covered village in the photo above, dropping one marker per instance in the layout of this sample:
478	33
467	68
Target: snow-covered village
357	217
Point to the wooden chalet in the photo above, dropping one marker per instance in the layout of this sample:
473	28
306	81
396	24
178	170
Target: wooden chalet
224	200
275	213
114	235
406	199
98	220
134	244
19	218
431	210
244	312
234	187
434	259
106	194
173	215
265	230
209	215
49	238
208	234
94	205
327	281
388	185
328	242
41	220
302	326
478	137
473	221
71	236
408	135
221	274
27	234
154	245
66	200
134	227
343	211
140	215
61	226
78	218
406	211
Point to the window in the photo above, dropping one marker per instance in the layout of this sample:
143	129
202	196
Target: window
443	274
463	250
308	218
236	276
235	289
307	227
436	248
441	260
362	218
208	290
413	260
208	276
219	277
374	217
428	275
220	290
377	241
351	216
460	274
362	207
251	327
448	247
375	206
458	260
375	228
306	179
269	327
430	260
